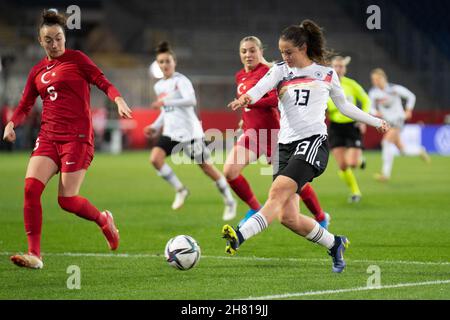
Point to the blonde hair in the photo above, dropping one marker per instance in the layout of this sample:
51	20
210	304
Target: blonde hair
379	72
259	44
345	60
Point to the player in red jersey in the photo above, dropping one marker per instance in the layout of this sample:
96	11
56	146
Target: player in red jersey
261	122
65	143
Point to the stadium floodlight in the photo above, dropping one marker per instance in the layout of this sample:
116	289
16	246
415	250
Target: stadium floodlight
155	71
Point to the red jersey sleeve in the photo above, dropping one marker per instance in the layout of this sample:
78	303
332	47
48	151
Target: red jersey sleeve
270	100
29	95
95	76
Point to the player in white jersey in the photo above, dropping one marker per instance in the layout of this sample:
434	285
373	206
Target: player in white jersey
181	131
304	86
386	101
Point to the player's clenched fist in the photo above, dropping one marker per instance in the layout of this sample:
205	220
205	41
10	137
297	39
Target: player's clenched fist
243	100
384	127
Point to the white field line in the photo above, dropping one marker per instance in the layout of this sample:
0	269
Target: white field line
144	255
328	292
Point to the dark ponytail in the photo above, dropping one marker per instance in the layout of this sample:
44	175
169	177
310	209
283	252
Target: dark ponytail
309	33
164	47
51	17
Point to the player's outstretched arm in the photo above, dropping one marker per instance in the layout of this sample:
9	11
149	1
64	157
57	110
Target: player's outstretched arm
9	134
264	85
357	114
350	110
122	108
243	101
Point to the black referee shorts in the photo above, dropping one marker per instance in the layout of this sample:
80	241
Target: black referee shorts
345	135
301	160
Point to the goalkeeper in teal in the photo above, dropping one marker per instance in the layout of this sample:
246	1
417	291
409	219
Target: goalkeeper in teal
345	135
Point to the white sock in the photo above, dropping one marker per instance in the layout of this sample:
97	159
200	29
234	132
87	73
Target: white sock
253	226
167	174
224	189
388	154
321	236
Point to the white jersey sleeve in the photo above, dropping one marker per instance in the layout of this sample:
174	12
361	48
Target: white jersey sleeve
159	122
348	109
266	83
187	93
407	95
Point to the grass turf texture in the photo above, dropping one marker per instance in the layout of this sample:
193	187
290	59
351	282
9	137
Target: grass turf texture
396	226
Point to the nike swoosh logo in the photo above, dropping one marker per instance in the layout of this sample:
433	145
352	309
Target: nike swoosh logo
68	163
49	67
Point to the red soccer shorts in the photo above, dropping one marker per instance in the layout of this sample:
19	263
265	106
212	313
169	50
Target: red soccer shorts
260	142
69	156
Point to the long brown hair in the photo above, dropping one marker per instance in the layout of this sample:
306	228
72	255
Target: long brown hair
309	33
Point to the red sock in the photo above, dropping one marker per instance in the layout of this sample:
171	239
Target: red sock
32	214
243	190
82	208
310	199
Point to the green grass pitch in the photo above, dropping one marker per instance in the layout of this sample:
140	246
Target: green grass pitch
402	227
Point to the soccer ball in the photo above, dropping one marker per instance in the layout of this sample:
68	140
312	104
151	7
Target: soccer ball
182	252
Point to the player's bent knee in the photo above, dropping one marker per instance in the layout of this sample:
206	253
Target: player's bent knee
157	161
278	196
63	203
286	220
68	203
352	164
206	167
